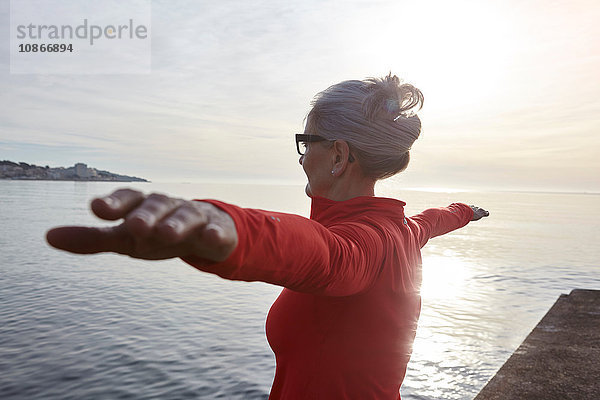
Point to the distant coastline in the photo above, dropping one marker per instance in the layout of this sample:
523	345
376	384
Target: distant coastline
79	172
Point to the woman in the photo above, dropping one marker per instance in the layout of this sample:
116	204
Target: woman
343	326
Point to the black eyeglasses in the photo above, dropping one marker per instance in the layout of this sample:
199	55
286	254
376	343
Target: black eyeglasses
302	139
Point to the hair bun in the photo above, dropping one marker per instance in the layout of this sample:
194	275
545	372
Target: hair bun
389	98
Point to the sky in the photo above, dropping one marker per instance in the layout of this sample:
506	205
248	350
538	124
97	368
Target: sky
512	92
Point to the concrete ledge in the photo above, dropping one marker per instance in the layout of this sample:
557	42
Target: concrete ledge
560	359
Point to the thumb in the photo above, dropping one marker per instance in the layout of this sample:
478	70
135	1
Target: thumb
87	240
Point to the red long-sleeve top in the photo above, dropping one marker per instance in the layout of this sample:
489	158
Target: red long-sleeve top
344	324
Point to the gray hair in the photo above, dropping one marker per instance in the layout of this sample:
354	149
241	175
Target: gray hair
375	117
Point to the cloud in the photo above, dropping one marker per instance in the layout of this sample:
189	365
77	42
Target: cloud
231	83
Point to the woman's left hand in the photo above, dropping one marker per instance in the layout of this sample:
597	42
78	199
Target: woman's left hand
479	213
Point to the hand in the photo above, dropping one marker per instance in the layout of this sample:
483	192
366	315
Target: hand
479	213
155	227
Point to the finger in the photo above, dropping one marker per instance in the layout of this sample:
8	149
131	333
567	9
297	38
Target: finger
480	213
87	240
215	243
214	235
186	219
143	219
201	229
218	238
118	204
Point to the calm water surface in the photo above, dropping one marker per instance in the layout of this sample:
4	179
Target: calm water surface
110	327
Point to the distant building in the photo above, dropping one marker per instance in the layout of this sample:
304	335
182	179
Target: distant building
54	174
81	170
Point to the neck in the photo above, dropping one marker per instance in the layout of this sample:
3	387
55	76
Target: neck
347	187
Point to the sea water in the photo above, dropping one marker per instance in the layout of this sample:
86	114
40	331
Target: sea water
111	327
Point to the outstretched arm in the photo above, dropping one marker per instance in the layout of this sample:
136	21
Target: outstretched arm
154	227
439	221
283	249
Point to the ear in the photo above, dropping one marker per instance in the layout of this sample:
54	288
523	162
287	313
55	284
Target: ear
341	152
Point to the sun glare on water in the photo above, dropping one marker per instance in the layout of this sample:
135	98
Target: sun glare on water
444	277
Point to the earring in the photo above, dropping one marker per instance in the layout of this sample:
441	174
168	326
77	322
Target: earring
332	172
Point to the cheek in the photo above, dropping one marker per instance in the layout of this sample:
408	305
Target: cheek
305	162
